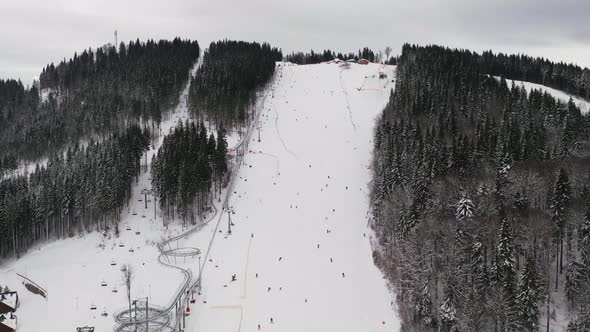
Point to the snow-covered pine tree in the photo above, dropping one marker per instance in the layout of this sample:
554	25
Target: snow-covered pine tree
529	295
447	312
506	272
464	209
423	307
559	204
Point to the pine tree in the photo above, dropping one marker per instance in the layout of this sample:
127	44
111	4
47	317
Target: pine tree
506	272
559	205
464	209
447	311
529	295
423	306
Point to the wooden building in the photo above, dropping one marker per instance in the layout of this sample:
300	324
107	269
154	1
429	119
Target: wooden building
8	302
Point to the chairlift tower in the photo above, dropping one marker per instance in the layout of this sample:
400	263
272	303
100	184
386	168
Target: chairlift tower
116	45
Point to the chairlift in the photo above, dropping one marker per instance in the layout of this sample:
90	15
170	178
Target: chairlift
93	306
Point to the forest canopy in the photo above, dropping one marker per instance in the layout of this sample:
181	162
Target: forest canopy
480	195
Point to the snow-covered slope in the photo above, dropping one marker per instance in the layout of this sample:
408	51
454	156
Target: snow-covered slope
300	244
584	105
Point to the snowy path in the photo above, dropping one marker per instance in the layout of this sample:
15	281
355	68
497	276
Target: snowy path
300	244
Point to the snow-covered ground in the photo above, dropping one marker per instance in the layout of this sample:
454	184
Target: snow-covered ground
300	244
584	105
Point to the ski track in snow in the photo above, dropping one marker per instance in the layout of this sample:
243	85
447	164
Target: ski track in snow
280	137
348	98
277	122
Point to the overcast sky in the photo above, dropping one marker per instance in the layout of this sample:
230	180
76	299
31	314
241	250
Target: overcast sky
34	33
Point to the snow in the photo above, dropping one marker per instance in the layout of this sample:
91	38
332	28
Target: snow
584	105
305	184
300	200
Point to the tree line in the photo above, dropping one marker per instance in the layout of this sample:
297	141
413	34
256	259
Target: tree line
480	198
567	77
81	190
225	86
96	92
313	57
187	165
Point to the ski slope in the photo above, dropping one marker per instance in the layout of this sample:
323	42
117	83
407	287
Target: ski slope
584	105
300	244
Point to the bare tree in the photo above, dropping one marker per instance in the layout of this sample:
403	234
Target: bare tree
387	53
128	276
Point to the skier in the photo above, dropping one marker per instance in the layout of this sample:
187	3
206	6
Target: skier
280	258
342	274
268	289
259	326
271	321
331	261
233	277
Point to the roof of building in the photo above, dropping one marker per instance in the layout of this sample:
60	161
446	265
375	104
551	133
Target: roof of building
8	320
10	299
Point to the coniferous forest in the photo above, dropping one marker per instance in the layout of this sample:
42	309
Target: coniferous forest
82	190
96	92
481	198
225	86
188	165
561	76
